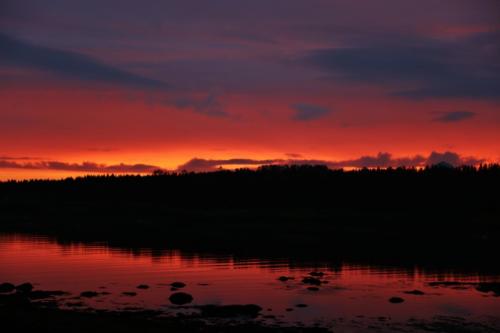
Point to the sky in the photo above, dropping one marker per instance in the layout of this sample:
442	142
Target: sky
119	86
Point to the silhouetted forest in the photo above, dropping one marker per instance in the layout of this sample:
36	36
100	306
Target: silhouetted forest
271	208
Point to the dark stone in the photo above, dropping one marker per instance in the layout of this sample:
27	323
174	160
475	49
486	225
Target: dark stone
450	284
42	294
48	304
174	289
89	294
301	305
129	293
311	280
180	298
6	287
143	286
396	300
313	288
229	311
284	278
178	285
315	273
75	304
486	287
289	309
415	292
134	309
25	287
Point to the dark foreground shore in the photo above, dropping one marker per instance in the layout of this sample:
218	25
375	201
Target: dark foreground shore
18	313
38	311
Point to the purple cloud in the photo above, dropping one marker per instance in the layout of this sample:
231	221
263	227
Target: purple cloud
382	160
306	112
80	167
18	53
454	116
210	105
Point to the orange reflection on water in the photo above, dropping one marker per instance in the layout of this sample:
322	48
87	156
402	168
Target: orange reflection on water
350	291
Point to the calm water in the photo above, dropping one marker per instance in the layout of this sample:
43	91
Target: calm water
352	291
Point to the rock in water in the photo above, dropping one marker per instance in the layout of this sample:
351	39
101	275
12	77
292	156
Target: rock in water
311	280
43	294
180	298
177	285
396	300
129	293
284	278
6	287
229	311
486	287
89	294
25	287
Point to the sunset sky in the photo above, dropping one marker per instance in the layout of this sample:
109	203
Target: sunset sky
131	86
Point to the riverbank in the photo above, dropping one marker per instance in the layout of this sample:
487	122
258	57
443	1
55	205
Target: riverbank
18	312
21	311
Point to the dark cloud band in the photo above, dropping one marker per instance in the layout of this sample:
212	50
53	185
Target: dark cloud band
68	64
78	167
454	116
467	67
382	160
305	112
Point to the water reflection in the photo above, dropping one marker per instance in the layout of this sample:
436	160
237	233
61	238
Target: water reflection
348	290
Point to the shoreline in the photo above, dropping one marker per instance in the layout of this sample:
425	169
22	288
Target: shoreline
19	312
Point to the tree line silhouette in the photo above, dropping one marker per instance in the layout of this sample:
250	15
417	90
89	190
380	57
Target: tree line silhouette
310	206
272	187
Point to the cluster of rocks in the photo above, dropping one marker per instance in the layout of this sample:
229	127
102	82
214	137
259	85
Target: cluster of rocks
483	287
313	281
179	298
92	294
26	290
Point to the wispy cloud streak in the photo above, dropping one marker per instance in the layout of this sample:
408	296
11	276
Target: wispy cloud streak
16	52
78	167
382	160
454	116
